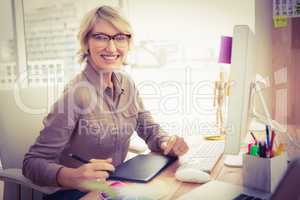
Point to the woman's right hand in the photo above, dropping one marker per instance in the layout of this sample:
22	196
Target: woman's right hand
97	169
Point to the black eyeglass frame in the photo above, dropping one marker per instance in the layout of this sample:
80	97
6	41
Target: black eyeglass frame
111	37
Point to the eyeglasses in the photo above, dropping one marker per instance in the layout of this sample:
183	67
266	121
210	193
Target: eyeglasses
120	39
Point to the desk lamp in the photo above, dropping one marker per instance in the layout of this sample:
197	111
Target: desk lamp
221	89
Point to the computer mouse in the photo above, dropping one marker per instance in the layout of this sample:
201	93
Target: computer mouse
191	174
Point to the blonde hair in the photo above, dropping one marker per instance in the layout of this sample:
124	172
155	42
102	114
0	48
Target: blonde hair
88	22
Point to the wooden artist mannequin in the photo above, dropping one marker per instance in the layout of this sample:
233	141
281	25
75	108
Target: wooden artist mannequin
220	92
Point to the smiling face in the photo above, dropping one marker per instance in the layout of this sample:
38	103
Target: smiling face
106	54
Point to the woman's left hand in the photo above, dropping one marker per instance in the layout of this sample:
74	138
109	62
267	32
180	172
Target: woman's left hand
175	145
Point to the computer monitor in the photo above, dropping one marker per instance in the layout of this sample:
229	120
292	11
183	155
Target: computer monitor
246	84
242	73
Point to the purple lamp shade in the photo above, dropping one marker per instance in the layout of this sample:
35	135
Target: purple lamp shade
225	50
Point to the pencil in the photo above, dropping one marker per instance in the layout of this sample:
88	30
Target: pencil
253	137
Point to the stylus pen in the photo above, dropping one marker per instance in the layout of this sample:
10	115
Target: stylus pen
76	157
103	195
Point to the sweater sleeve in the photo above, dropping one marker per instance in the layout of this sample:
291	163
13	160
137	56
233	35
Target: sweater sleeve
41	163
149	130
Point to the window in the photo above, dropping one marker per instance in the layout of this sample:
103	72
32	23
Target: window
8	69
51	28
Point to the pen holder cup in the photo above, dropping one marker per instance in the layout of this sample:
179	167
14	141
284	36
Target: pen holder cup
263	173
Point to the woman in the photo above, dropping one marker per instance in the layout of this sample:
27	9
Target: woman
96	115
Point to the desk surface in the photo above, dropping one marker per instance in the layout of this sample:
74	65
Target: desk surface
220	172
176	188
173	188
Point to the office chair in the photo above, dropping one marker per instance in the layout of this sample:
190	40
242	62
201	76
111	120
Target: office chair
20	124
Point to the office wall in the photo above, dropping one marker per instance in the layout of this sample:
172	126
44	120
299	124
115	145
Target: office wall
286	59
281	63
199	17
197	24
278	58
295	65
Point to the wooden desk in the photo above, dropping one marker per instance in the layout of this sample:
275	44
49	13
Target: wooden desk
166	179
176	188
220	172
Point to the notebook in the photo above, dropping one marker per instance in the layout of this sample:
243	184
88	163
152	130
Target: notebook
142	168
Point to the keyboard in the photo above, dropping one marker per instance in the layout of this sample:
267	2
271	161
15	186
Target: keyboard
205	156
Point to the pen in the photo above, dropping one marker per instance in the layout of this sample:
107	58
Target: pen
260	149
249	148
76	157
272	142
268	136
254	150
103	195
253	137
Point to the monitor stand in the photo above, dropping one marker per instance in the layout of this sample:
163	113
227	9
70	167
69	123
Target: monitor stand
233	160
